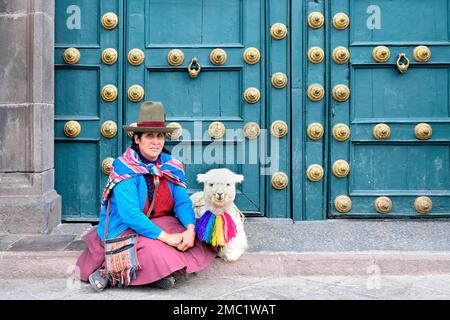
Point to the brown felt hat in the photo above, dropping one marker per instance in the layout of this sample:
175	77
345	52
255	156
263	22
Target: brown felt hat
152	118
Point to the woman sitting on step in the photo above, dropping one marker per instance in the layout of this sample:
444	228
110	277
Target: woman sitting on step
145	195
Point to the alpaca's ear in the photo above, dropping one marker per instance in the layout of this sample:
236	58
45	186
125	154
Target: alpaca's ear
238	178
201	177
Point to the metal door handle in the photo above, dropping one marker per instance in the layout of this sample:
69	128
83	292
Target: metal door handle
194	68
402	63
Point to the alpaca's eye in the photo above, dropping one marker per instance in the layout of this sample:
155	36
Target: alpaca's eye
210	184
228	184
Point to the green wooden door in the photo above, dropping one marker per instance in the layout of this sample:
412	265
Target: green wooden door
396	159
81	110
170	35
95	94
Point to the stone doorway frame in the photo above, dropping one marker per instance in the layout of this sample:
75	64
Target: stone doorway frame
28	200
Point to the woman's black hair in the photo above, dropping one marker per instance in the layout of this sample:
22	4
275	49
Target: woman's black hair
135	147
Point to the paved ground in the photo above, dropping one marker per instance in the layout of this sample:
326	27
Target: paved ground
243	288
334	259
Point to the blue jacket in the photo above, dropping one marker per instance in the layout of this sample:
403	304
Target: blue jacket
127	207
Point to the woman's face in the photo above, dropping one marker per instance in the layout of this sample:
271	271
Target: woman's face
150	144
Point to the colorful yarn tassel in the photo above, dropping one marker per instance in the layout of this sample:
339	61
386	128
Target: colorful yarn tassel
216	230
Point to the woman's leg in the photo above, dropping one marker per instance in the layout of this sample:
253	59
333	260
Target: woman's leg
92	258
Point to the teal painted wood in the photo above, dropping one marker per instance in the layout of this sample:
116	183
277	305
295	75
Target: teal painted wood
297	127
278	104
197	27
401	167
314	195
79	179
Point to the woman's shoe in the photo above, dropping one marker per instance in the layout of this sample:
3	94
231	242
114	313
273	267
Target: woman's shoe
97	281
181	276
164	283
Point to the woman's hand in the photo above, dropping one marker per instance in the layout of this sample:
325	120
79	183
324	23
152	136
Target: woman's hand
188	238
172	239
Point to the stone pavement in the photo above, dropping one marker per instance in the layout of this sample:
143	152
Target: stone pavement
334	259
435	287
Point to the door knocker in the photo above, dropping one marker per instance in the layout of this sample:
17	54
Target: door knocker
194	68
402	63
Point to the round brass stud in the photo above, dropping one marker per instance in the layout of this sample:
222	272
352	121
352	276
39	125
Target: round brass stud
109	93
251	130
316	20
316	92
71	56
343	204
278	31
135	93
316	55
383	204
136	57
315	131
279	180
130	133
422	54
341	168
252	95
314	172
72	129
279	80
381	54
341	92
279	129
110	20
423	131
341	55
216	130
176	134
381	131
107	165
218	57
341	21
341	132
423	204
175	57
251	55
109	56
109	129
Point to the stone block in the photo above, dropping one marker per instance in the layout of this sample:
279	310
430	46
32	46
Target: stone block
42	137
26	138
15	133
26	31
15	6
26	183
78	245
42	41
44	6
42	243
7	240
30	214
13	54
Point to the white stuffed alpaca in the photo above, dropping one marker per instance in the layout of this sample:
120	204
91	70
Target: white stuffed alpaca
218	196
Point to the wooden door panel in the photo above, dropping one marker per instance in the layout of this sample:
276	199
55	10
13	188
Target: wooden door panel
400	165
196	28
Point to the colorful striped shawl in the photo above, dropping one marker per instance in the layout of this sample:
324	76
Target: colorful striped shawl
129	165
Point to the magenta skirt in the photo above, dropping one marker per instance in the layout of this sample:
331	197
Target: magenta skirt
156	258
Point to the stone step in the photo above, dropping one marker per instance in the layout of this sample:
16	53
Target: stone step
61	264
